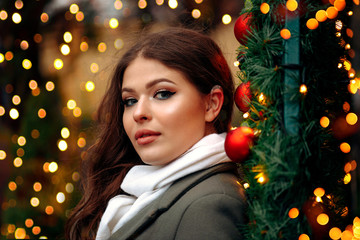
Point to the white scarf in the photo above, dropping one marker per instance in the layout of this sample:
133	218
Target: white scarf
146	183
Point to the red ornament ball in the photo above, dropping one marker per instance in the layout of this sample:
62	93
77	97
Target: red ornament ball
242	28
238	143
243	97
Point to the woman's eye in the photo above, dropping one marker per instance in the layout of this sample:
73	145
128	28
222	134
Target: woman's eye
163	94
128	102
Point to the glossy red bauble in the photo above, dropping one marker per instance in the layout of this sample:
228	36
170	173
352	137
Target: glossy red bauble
238	143
242	28
243	97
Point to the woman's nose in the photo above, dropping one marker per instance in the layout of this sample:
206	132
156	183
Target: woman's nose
142	111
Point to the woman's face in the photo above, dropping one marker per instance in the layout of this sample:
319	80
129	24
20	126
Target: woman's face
164	113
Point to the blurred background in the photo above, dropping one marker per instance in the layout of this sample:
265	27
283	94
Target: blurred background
56	57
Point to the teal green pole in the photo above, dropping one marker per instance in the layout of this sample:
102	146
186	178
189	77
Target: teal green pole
291	62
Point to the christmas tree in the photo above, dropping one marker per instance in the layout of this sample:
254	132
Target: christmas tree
296	76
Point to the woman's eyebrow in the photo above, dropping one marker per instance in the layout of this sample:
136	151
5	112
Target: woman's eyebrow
149	84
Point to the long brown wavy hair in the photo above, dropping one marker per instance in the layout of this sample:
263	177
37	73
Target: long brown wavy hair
109	159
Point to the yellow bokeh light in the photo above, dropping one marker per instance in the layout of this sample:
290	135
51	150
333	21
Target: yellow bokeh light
2	58
2	111
67	37
345	147
3	15
79	16
13	113
41	113
102	47
246	185
264	8
195	13
262	98
60	197
94	67
50	86
49	210
319	192
304	237
74	8
24	45
226	19
21	141
347	178
16	17
293	213
71	104
34	202
62	145
58	64
142	4
44	17
2	154
20	233
113	23
322	219
12	186
118	5
285	33
33	84
37	187
312	23
351	118
81	142
303	89
65	49
347	65
26	63
292	5
89	86
84	46
53	167
77	112
16	100
173	4
18	162
65	132
29	222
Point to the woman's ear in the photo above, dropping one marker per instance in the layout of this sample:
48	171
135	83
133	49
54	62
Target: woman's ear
215	100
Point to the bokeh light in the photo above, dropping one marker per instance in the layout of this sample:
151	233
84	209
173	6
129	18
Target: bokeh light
264	8
16	17
226	19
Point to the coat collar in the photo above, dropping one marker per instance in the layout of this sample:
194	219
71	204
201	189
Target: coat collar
148	214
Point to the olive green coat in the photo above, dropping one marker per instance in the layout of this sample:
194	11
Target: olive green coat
208	204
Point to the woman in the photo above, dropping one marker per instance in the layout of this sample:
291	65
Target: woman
158	169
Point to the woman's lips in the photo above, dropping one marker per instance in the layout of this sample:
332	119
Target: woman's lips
145	136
